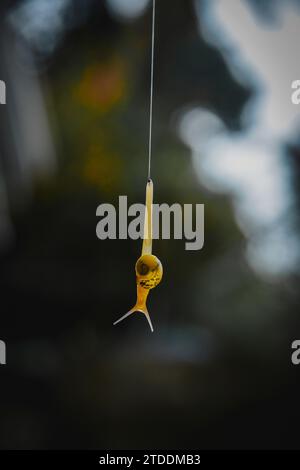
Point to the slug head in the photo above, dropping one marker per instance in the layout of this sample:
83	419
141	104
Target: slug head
149	271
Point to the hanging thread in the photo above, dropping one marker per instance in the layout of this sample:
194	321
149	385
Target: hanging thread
151	89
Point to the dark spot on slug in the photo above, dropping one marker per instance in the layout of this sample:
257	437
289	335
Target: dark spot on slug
142	268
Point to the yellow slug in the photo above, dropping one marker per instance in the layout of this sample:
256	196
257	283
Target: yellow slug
148	268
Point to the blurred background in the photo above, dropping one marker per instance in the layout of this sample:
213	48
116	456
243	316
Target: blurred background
217	371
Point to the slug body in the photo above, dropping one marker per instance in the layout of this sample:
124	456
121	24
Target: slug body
148	268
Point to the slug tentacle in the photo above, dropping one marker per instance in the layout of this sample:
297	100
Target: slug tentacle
134	310
146	313
140	306
125	316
